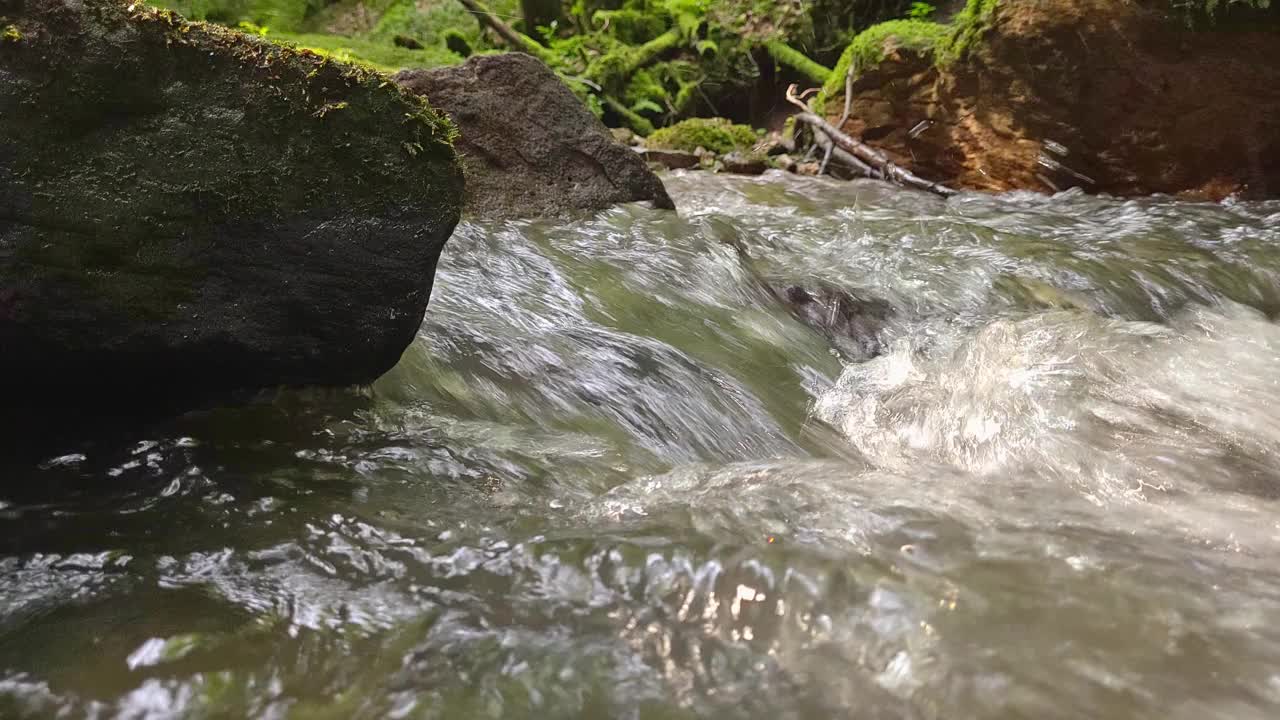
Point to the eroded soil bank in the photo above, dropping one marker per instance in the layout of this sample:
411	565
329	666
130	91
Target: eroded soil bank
1126	98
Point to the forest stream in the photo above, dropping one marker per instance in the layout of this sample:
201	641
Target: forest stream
615	476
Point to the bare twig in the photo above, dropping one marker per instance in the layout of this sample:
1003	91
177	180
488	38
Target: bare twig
848	96
867	154
510	37
822	169
822	140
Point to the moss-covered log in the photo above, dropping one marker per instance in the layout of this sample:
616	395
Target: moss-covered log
786	55
634	120
612	70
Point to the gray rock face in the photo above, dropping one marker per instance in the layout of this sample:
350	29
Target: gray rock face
670	159
187	211
529	146
744	163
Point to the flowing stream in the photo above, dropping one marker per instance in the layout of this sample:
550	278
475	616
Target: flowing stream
1037	475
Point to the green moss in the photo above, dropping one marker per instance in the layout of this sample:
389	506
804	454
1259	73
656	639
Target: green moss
612	70
11	34
715	134
279	15
966	28
379	56
630	25
638	52
871	45
646	93
637	122
442	27
766	21
431	23
944	43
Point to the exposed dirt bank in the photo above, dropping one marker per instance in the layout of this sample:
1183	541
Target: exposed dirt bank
1113	96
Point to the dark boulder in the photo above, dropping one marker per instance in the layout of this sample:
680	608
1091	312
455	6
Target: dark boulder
189	211
529	145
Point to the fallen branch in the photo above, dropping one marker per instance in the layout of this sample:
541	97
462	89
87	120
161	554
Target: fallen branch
611	69
784	54
637	122
823	141
510	36
867	154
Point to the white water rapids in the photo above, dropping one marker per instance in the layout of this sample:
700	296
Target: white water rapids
617	477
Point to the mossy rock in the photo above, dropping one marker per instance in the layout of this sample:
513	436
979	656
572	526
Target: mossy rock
715	134
185	209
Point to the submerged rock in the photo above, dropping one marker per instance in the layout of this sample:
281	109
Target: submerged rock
529	145
189	211
851	323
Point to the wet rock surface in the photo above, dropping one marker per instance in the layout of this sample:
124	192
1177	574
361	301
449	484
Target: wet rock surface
744	163
530	147
670	159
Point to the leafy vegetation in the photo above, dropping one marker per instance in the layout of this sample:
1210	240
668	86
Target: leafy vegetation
967	26
921	11
357	30
642	63
789	56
